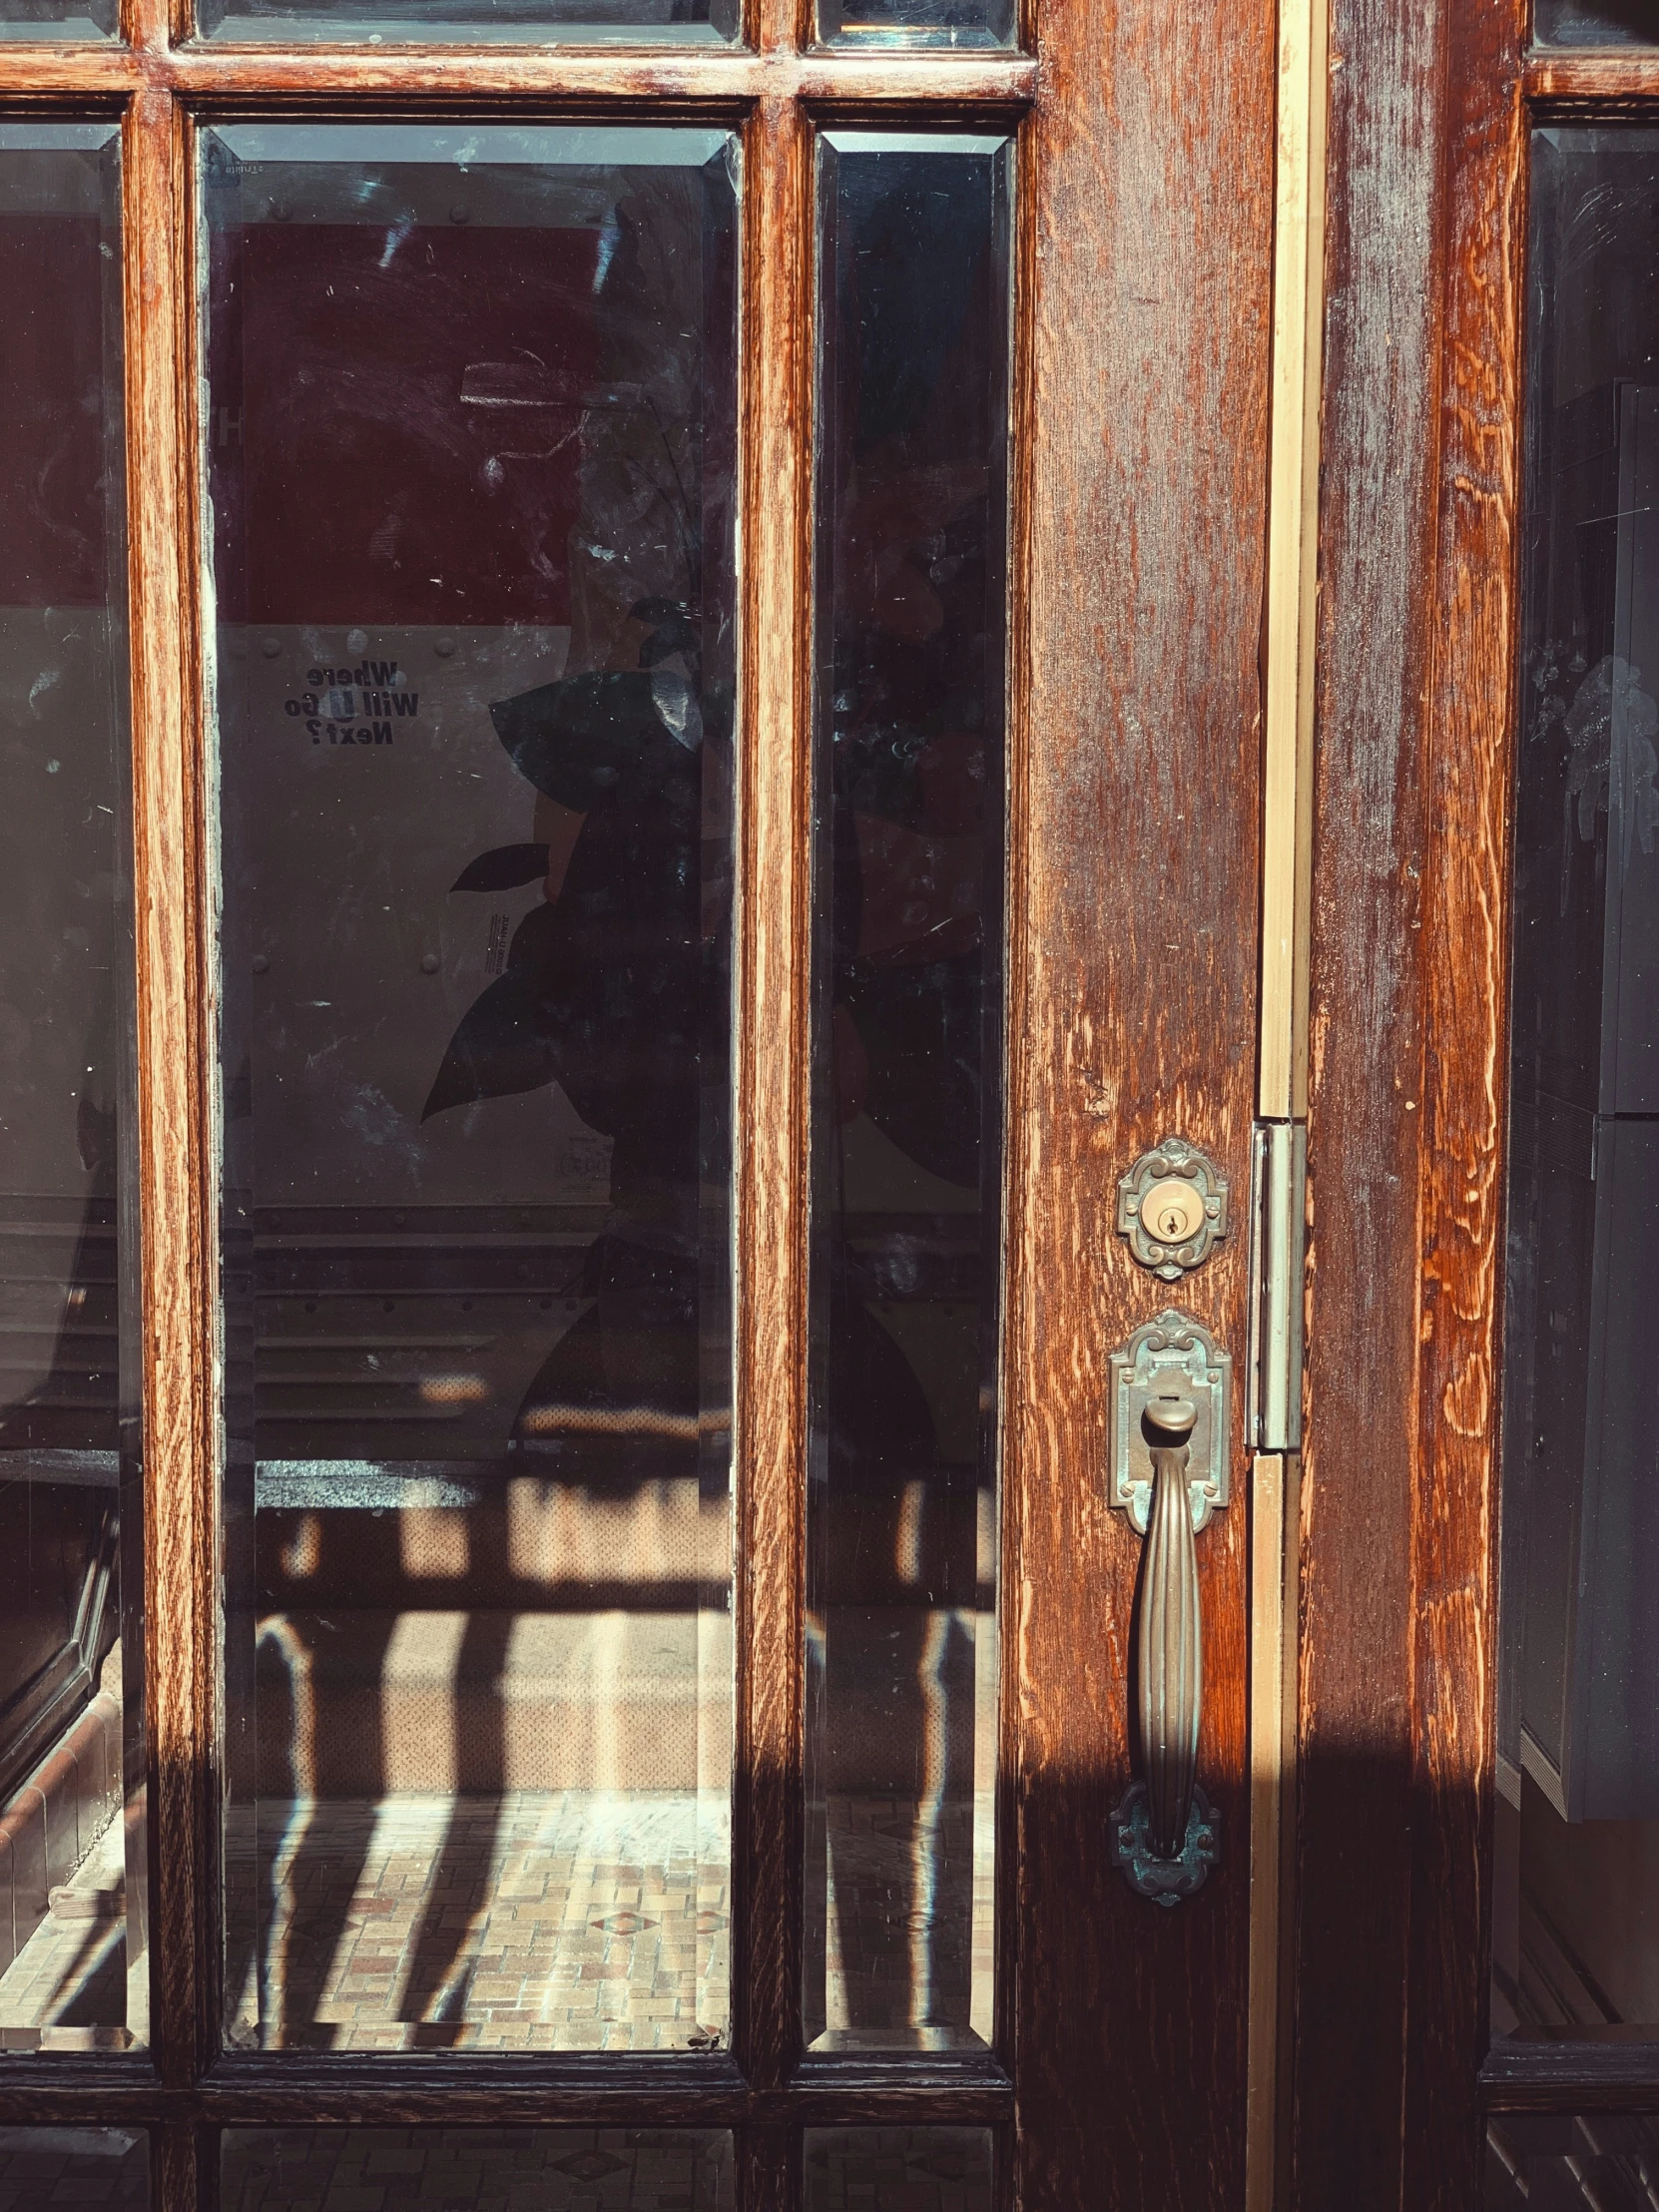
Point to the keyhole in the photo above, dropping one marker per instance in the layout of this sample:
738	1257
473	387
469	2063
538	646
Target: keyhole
1172	1223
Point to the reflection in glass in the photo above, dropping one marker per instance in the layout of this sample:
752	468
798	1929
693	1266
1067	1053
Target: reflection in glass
1577	1936
917	22
107	2168
593	22
902	1520
1571	2160
472	471
71	1657
380	2169
1596	22
899	2169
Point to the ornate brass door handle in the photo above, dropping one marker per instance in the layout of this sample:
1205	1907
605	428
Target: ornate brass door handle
1164	1832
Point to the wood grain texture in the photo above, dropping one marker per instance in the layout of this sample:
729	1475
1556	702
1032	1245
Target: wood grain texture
773	1051
1571	2077
1461	1186
1606	81
458	78
184	2174
1135	1015
176	1052
505	2091
1376	562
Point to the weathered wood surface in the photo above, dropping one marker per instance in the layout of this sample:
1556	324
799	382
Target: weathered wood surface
283	79
1407	1111
1603	83
1365	1107
1133	1014
1464	1108
176	1061
773	1080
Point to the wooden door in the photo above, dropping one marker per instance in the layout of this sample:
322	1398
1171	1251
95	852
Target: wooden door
630	1227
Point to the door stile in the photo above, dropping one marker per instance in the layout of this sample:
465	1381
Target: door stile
176	1092
773	1048
1465	1101
1381	378
1155	182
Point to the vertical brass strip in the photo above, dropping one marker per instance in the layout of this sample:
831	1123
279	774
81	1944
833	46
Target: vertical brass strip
1287	827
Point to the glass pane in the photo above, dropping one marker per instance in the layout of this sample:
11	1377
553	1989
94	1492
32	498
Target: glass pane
593	22
38	19
71	1537
516	2169
1596	22
917	22
1576	1938
93	2166
899	2169
901	1574
1591	2162
472	468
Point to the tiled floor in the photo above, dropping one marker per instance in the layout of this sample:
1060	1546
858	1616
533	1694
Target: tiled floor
574	1921
67	1988
569	1921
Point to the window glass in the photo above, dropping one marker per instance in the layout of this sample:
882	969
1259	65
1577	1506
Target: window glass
917	22
593	22
907	1152
899	2169
71	1895
1576	1934
99	2167
33	19
472	467
516	2169
1596	22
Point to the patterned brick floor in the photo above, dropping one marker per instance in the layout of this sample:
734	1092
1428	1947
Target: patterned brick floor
577	1921
67	1988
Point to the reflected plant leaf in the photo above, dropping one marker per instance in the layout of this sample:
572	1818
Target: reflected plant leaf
500	1047
503	869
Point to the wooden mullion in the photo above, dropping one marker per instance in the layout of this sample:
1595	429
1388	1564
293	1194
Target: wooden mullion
770	1023
482	2093
1606	81
184	2163
614	81
174	1063
768	2169
718	84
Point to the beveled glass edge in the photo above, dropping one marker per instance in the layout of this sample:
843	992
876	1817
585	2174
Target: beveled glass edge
442	143
68	30
244	34
21	135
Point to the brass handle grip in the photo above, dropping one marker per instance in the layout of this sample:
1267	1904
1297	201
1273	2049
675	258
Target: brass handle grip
1170	1408
1170	1643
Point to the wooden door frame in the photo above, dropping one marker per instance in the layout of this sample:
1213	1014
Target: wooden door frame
1169	110
1432	105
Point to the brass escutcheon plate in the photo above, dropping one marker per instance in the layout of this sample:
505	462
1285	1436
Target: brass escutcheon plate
1172	1205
